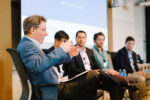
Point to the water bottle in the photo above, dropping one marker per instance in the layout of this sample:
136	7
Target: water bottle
124	73
120	72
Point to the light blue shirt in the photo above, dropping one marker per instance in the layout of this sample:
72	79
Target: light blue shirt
131	59
34	41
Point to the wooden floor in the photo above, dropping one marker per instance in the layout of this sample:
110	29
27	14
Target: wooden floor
17	89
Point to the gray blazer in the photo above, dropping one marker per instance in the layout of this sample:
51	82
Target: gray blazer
39	66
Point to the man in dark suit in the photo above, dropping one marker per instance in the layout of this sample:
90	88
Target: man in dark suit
83	87
126	59
86	61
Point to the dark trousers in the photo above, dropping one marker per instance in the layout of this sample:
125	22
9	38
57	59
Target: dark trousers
115	92
133	95
81	88
112	85
85	87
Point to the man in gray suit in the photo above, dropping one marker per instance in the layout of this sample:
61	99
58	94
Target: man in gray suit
40	68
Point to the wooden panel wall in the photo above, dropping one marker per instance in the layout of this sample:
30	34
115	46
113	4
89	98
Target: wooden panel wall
5	42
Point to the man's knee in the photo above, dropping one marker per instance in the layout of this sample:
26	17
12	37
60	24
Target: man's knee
92	77
141	79
93	73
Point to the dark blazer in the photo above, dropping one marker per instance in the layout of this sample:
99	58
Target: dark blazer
122	61
46	51
76	66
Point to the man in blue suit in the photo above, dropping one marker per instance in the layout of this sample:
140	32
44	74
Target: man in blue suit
39	65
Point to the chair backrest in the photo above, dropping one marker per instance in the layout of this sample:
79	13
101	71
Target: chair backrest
26	85
110	60
113	55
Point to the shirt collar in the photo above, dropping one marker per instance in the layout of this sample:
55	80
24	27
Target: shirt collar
34	41
128	50
98	49
80	50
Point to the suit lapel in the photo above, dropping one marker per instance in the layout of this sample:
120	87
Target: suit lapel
89	56
127	57
134	58
126	54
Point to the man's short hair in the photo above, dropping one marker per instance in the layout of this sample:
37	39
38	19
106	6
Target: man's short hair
61	34
80	31
97	34
129	38
32	21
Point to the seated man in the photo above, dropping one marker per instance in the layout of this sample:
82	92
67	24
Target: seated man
126	59
40	66
103	61
86	61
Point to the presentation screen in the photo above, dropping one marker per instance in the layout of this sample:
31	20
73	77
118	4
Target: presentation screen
70	16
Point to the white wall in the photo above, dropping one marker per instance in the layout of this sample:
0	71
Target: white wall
129	21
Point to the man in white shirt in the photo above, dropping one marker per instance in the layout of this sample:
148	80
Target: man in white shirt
85	61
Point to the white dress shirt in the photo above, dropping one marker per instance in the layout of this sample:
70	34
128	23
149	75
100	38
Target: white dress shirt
85	59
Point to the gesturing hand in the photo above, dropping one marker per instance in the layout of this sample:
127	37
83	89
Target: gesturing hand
74	51
67	46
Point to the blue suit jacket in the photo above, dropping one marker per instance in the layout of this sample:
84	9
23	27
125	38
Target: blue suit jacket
39	65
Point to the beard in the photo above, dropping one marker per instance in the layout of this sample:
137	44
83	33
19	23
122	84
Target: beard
99	46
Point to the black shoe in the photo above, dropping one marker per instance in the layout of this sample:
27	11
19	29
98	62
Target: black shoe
131	81
132	87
